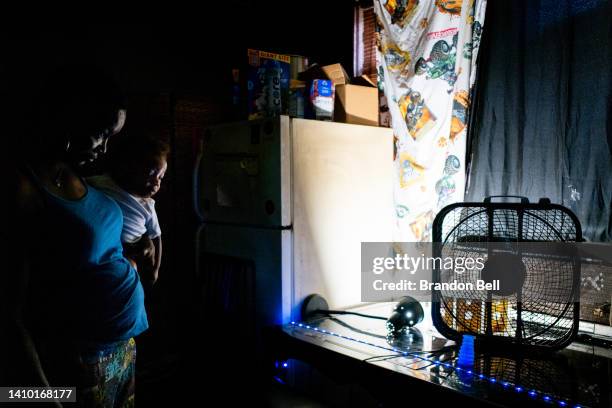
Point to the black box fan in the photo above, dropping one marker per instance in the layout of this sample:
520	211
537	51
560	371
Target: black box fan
529	248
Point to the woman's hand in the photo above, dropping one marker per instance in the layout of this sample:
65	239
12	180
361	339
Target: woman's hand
143	254
141	251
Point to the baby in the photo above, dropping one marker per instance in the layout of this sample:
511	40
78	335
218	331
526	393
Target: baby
137	166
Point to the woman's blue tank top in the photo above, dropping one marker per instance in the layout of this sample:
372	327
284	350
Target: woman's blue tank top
85	289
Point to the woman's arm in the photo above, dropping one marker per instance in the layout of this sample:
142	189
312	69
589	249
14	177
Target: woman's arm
32	359
144	254
27	202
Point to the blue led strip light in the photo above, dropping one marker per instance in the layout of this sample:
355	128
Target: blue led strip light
506	385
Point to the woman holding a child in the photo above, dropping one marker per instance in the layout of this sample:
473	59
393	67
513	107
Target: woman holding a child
76	302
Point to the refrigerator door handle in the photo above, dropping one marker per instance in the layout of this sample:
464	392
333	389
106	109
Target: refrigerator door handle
196	180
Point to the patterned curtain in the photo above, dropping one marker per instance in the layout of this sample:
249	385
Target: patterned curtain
427	65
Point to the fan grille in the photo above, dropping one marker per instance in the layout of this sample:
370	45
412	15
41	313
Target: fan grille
534	315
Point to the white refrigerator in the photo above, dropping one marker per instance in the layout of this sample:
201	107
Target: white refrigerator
284	205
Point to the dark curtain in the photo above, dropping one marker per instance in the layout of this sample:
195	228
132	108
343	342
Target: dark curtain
541	121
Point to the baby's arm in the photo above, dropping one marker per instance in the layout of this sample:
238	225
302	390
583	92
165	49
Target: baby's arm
141	255
153	230
157	243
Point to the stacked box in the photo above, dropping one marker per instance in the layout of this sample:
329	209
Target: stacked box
267	84
297	99
322	99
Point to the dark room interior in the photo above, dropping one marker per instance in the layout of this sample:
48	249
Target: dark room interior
360	203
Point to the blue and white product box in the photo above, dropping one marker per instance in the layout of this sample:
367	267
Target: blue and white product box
322	99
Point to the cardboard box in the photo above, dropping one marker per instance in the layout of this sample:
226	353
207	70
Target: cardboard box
357	104
337	74
267	84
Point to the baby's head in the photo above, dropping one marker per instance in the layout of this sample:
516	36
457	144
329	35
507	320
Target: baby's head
139	164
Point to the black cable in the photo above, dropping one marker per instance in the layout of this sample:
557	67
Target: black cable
384	357
423	367
344	312
381	358
356	330
413	354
